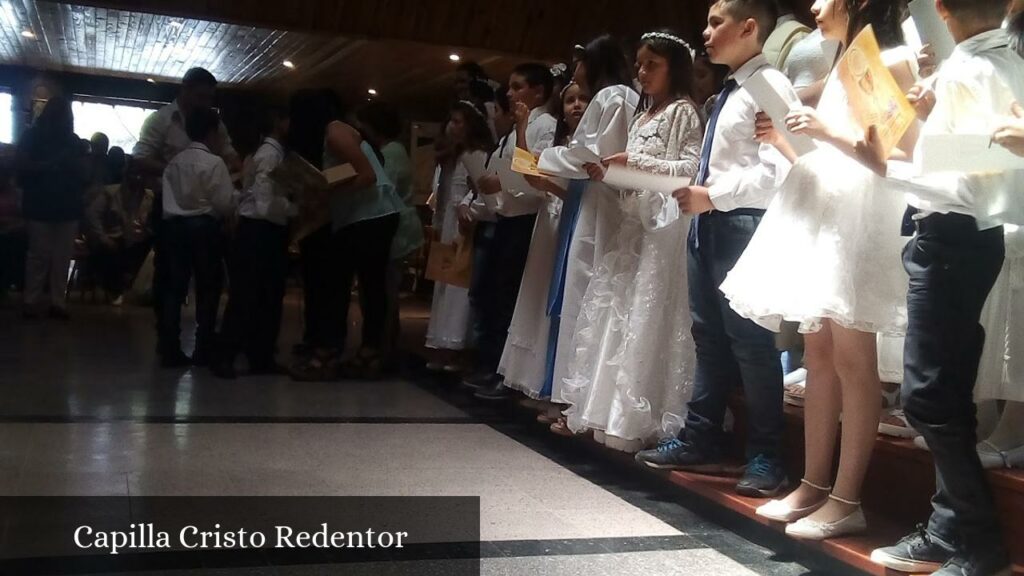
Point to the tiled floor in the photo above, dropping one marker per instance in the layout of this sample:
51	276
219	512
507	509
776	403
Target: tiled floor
84	411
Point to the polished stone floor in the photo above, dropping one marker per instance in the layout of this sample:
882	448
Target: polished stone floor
84	411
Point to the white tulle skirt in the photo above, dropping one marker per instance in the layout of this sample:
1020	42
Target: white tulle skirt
829	246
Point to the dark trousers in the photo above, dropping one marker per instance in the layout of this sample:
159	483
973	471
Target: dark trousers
258	268
318	277
362	251
117	265
191	245
952	268
483	235
730	349
499	291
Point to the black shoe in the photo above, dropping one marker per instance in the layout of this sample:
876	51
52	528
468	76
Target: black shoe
992	562
58	313
498	391
676	454
224	370
266	369
175	359
764	478
479	381
915	553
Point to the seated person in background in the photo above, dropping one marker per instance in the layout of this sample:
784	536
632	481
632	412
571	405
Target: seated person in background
118	233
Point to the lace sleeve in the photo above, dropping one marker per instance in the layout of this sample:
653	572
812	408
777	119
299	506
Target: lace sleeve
682	136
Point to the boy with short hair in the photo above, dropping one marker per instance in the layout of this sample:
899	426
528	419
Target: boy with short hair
197	195
259	262
953	266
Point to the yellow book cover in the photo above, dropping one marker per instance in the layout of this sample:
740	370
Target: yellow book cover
875	97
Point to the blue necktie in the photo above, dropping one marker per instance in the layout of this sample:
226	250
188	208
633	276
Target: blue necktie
705	153
709	139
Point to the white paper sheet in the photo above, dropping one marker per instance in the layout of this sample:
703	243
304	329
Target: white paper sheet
912	36
966	153
475	165
510	181
583	154
776	107
628	179
931	28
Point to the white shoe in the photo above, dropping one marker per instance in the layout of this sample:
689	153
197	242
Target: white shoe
993	458
807	529
779	511
795	377
920	443
894	423
119	301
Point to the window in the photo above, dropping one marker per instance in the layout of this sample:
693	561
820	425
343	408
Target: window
121	122
6	117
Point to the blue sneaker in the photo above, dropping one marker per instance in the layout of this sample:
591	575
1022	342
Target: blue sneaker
764	478
676	454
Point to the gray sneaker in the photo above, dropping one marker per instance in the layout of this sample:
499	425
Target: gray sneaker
915	553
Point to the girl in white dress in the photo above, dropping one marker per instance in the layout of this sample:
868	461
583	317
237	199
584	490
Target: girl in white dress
633	356
449	326
602	69
831	218
524	361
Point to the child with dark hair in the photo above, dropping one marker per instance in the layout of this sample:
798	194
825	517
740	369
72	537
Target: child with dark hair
590	214
197	196
632	361
953	260
468	139
259	262
848	288
529	90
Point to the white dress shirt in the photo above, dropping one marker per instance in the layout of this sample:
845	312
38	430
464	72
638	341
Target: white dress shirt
741	172
974	91
163	135
196	183
540	135
262	198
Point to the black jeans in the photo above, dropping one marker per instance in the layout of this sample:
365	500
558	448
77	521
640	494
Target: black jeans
258	268
499	286
190	245
362	250
318	277
730	348
952	268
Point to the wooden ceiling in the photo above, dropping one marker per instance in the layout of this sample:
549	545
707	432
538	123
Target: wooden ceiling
399	48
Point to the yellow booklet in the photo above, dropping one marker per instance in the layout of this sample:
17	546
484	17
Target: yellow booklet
875	97
525	163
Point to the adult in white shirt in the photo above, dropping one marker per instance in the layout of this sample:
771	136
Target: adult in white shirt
163	137
197	195
530	87
259	262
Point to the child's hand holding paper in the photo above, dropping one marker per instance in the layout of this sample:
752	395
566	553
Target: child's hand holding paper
1010	134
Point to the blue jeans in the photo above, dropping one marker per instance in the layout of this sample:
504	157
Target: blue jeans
730	349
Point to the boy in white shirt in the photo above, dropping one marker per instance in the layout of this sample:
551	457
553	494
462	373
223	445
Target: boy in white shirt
197	195
530	88
736	181
953	266
259	260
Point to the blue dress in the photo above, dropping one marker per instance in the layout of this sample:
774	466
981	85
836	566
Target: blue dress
566	227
